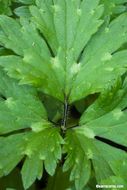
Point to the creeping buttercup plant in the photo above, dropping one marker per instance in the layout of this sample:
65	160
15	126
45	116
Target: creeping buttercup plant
63	93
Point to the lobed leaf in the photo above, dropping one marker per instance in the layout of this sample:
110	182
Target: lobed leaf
39	147
24	122
33	64
82	150
99	64
110	98
65	59
68	51
19	106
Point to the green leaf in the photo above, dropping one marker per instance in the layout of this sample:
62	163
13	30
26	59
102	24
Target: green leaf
33	165
65	51
39	141
43	147
103	48
110	98
109	125
53	107
22	11
7	182
72	52
10	156
77	161
108	120
34	67
27	1
19	106
69	20
114	7
39	147
43	18
80	147
60	180
5	7
48	18
117	182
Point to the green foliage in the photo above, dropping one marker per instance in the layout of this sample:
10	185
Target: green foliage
9	184
5	7
55	182
57	58
22	11
114	7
